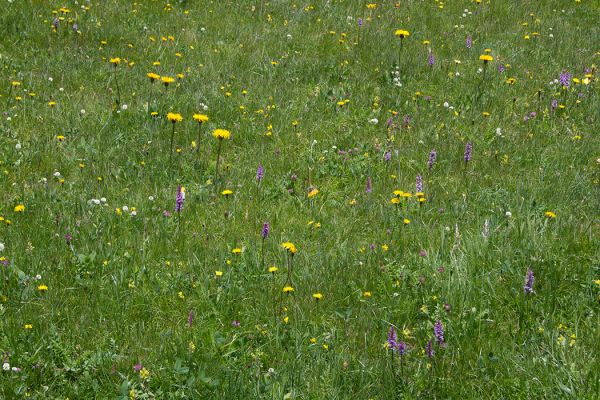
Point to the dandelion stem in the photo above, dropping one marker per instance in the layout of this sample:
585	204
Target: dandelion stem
171	145
218	160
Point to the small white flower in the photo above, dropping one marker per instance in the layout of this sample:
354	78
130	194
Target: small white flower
446	104
551	35
50	79
134	213
151	198
61	89
289	36
457	73
56	174
125	208
38	277
96	202
479	70
6	366
1	247
374	121
18	146
203	29
44	180
82	111
124	107
498	131
508	214
103	199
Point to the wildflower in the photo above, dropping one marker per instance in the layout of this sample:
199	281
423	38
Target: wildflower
227	192
438	332
235	323
174	117
153	77
565	79
218	274
429	349
366	294
144	373
179	199
265	230
200	118
43	288
237	250
528	288
273	269
406	221
550	214
288	289
115	61
28	326
431	59
392	338
432	158
401	33
486	58
317	296
167	80
19	208
290	247
260	173
469	42
190	318
221	134
401	348
369	188
468	152
313	192
419	184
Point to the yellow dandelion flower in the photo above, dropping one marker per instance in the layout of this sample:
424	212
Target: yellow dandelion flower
313	193
167	80
273	269
43	288
367	294
153	77
289	246
237	250
174	117
221	134
218	274
288	289
115	61
200	118
19	208
227	192
317	296
486	58
550	214
401	33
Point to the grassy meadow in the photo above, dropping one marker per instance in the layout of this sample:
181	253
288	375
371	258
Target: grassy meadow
299	200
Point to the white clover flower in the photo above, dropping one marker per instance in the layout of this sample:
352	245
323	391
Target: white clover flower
446	104
374	121
1	247
125	208
508	214
96	202
103	199
6	366
124	107
151	198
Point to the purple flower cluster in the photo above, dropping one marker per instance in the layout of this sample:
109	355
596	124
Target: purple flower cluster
179	199
369	188
438	332
265	230
468	151
419	184
528	288
469	42
432	158
260	173
565	78
431	59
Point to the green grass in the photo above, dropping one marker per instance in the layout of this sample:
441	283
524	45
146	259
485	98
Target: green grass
272	73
